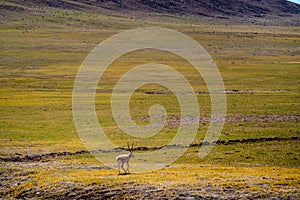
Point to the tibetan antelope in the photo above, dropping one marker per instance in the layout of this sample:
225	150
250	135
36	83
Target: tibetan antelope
121	159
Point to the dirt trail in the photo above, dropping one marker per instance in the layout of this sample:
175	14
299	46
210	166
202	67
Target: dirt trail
36	157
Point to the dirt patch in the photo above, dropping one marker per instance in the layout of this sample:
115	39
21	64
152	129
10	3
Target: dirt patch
249	140
145	191
36	157
173	120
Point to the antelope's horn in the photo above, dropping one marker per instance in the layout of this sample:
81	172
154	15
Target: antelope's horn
132	146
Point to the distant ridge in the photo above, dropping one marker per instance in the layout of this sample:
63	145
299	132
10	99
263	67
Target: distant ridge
217	9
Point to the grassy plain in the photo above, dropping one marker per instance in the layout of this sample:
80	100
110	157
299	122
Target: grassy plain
260	66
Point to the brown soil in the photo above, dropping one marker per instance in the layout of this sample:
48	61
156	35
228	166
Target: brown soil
129	190
175	120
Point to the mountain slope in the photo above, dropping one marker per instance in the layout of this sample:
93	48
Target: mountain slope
218	9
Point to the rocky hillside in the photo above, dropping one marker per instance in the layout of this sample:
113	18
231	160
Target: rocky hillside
219	9
216	8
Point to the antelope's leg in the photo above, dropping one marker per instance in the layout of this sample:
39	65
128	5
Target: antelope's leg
119	166
128	167
123	167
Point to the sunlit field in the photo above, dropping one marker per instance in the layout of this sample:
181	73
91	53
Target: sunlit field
42	156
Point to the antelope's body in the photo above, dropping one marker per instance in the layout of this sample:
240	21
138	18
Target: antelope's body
125	158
